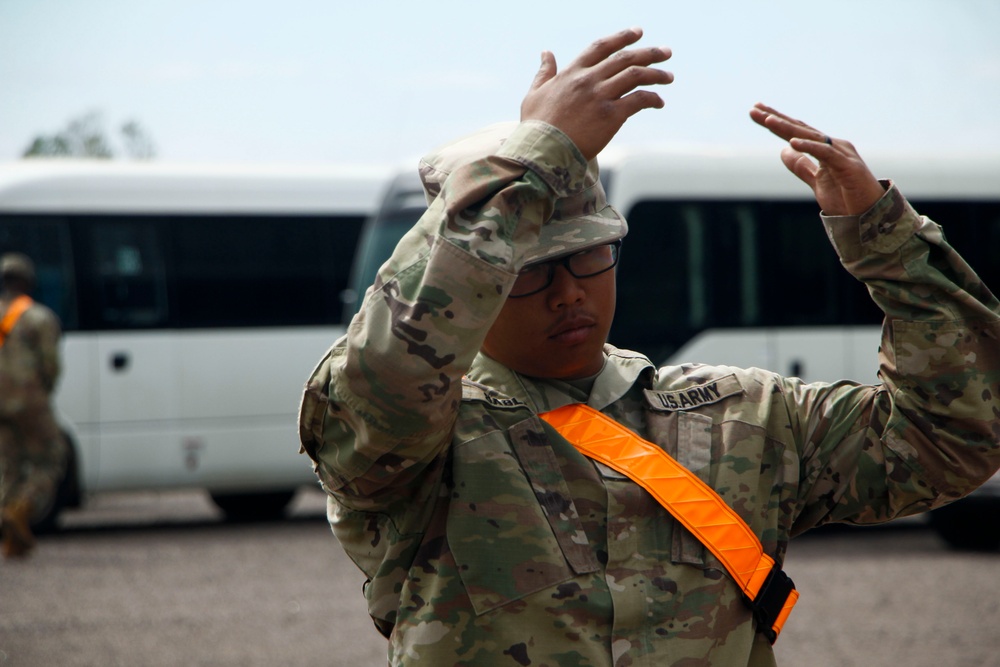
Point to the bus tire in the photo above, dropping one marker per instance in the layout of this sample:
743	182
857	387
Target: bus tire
266	506
970	524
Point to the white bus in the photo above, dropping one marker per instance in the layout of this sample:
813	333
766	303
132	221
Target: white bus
194	300
726	262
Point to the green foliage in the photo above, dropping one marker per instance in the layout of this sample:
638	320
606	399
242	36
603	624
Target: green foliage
86	137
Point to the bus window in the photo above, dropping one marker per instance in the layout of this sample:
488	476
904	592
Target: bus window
656	262
45	239
803	282
689	266
126	285
973	229
260	271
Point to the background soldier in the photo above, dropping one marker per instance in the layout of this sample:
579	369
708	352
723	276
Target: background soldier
32	452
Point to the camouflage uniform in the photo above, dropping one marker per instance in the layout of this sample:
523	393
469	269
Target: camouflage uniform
32	452
489	540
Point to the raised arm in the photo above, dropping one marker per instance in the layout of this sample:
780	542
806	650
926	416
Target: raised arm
928	434
380	409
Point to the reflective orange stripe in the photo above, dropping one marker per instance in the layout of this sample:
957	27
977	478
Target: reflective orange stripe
786	609
13	314
689	500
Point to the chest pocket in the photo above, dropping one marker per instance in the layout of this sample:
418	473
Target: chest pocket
513	527
681	422
694	452
687	437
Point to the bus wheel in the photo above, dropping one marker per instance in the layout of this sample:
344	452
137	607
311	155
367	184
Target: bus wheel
969	524
253	506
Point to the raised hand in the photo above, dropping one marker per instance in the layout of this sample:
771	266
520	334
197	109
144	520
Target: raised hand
592	98
840	179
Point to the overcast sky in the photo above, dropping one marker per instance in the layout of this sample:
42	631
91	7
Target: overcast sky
319	81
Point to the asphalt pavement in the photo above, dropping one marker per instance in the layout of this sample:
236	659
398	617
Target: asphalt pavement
160	579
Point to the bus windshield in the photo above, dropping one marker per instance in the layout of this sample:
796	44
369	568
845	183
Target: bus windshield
377	242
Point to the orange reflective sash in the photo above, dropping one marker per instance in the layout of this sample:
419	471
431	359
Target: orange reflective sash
13	314
768	592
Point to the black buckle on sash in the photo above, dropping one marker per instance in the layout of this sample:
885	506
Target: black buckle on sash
770	601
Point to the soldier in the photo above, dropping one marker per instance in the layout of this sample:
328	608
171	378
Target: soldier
32	453
487	536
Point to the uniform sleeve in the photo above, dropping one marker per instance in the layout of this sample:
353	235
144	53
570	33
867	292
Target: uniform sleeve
380	409
930	432
48	351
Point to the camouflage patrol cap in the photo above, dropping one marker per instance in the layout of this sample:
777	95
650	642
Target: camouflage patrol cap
579	221
15	264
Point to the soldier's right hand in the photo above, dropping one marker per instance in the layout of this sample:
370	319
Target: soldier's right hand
592	98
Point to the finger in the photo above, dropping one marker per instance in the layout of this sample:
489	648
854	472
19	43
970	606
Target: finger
761	112
789	128
622	60
821	148
635	102
772	122
601	49
785	120
771	111
759	116
546	70
799	164
635	77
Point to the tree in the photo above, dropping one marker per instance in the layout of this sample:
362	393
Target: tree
138	144
86	136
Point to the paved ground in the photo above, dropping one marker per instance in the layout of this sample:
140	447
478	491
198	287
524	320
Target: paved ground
159	579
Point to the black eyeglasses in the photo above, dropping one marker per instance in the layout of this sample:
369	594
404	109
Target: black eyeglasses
584	264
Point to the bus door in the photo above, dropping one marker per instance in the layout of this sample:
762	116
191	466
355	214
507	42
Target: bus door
124	299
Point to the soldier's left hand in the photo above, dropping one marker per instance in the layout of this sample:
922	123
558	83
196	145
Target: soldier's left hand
840	179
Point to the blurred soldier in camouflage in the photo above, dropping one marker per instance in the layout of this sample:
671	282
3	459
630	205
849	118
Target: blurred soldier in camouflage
32	453
488	539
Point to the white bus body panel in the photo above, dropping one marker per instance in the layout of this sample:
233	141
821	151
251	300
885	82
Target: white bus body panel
814	354
213	409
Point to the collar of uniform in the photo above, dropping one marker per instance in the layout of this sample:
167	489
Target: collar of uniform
620	373
491	373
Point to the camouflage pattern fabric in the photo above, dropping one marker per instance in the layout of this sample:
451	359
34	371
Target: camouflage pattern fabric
32	451
486	539
579	220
